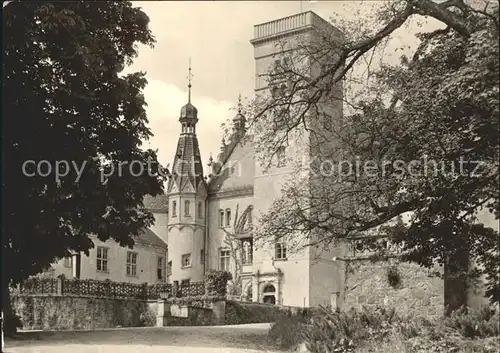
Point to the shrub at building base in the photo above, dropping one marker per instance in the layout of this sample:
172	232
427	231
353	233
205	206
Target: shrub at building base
286	331
254	313
148	317
216	282
381	330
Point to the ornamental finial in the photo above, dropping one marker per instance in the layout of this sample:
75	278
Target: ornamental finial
189	77
239	104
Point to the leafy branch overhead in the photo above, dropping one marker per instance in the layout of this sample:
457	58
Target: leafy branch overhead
423	133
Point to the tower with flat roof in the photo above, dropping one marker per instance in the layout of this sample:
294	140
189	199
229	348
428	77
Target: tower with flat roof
307	277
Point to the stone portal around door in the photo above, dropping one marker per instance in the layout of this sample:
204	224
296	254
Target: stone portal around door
269	294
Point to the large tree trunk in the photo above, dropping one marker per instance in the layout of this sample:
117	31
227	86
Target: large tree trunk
11	322
456	270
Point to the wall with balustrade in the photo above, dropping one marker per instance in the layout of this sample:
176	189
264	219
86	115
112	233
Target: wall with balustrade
50	312
72	304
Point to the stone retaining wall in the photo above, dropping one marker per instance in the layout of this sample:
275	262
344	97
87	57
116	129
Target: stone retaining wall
419	291
44	312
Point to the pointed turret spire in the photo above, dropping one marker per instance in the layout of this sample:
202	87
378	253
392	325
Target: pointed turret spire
239	103
239	119
223	145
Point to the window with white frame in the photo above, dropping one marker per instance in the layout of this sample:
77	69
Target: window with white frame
221	218
169	268
225	259
174	208
228	217
102	259
202	256
200	210
280	249
68	261
187	208
159	267
186	260
247	252
131	263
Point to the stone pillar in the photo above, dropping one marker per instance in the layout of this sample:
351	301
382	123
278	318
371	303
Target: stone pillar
163	313
219	311
279	299
59	285
175	289
255	287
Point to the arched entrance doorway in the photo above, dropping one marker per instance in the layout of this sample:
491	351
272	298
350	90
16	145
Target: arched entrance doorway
269	294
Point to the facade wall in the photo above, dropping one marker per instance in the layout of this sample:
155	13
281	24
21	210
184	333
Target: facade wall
185	240
160	225
326	275
233	188
218	234
295	282
147	257
62	267
146	270
186	235
315	271
294	288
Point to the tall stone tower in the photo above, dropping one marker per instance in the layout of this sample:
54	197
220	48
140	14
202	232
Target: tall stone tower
279	45
187	202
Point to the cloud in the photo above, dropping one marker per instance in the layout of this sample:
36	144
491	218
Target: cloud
165	101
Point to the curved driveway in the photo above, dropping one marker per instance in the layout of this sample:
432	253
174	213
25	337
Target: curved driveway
250	338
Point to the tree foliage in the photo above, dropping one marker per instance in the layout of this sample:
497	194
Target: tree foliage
421	143
65	99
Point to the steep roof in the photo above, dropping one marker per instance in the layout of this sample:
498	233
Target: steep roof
156	203
187	165
237	137
148	237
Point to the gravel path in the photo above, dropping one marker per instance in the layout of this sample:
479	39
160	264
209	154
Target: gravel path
225	339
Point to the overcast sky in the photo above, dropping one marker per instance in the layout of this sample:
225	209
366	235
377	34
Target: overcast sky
216	35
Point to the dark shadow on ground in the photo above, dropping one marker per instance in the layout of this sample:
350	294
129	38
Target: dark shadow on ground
215	336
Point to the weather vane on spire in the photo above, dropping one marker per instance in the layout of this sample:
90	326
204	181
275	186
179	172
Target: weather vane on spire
189	77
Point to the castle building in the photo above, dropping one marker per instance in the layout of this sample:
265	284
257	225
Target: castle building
207	217
205	220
